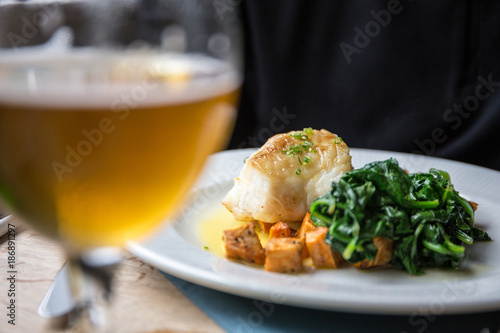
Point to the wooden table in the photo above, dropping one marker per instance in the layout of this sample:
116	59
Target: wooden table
145	301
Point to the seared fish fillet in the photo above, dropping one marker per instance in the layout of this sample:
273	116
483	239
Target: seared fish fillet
281	179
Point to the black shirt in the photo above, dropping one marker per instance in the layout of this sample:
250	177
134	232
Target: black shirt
410	76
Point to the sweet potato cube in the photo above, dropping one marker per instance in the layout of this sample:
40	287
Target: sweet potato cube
283	255
280	229
243	243
306	225
320	252
385	247
266	227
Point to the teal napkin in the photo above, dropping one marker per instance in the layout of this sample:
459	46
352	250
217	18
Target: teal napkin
243	315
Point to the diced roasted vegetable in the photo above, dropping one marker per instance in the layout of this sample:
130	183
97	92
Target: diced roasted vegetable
283	255
279	229
385	247
306	225
243	243
320	252
266	227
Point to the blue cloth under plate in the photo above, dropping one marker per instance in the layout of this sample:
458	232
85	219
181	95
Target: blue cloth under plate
243	315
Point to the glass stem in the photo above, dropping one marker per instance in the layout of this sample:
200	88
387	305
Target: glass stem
91	277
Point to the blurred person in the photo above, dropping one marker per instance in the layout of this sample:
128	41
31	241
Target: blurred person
399	75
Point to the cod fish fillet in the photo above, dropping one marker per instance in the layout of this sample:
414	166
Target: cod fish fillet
280	180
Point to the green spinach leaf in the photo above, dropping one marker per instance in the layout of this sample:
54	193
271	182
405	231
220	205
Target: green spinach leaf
429	222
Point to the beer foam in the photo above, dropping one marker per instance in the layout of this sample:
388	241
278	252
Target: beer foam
106	80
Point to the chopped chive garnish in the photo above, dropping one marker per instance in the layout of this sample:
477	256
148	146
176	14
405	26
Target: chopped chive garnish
298	149
338	140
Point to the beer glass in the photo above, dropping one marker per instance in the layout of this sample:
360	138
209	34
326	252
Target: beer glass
108	110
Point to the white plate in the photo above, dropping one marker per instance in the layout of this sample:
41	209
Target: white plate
178	251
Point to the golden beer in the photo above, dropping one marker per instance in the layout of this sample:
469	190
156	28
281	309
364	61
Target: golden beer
95	160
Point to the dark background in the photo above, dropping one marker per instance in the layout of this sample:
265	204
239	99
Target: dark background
414	84
402	75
